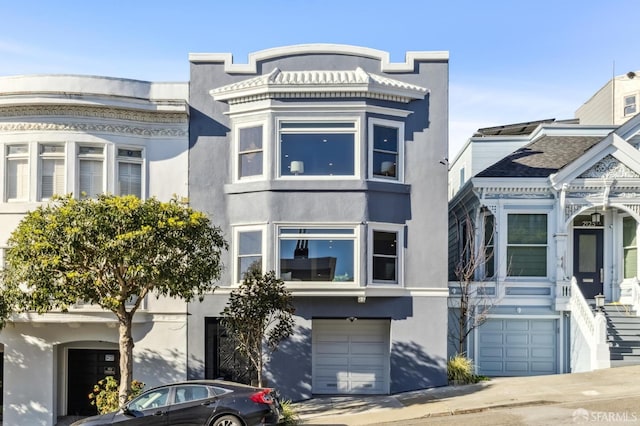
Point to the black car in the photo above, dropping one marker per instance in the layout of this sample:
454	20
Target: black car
196	403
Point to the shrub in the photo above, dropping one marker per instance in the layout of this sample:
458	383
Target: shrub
289	415
105	394
460	370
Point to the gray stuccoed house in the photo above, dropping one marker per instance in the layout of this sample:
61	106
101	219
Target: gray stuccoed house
326	164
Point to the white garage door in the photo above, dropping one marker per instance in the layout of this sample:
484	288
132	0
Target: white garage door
350	357
517	347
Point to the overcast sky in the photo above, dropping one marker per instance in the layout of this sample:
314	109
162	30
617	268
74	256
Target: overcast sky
510	60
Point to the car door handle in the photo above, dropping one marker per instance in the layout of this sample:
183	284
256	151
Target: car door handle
159	413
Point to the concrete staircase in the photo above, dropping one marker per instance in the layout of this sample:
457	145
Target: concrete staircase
623	333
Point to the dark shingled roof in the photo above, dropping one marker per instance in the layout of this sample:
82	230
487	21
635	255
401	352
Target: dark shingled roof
541	157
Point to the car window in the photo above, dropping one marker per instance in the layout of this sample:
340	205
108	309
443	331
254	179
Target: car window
220	391
152	399
187	393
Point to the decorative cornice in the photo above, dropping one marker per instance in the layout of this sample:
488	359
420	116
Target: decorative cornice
318	84
94	127
60	118
93	112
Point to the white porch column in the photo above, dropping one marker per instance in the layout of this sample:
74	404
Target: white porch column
29	378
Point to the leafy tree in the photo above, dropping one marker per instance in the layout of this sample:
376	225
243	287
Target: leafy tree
259	315
112	251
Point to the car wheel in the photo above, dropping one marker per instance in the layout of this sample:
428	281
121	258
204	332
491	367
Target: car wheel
227	421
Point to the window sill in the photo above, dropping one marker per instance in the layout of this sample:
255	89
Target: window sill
316	185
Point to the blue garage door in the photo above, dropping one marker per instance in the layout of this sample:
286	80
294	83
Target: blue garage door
517	347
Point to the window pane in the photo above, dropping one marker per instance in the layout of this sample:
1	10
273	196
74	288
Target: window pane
629	105
130	153
629	231
249	252
52	178
489	223
90	178
319	125
251	164
384	243
17	178
130	179
250	138
630	263
316	260
385	138
250	242
588	253
527	261
527	229
384	164
316	231
151	399
320	154
384	269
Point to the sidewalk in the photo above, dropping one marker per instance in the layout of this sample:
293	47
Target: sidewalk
451	400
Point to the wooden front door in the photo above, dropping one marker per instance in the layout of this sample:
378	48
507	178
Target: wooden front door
588	268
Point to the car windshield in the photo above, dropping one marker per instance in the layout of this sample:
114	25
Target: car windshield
152	399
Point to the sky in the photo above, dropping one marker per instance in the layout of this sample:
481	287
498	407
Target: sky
510	60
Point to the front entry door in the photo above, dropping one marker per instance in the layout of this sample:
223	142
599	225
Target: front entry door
86	367
587	261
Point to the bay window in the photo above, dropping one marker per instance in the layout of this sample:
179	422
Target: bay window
317	148
527	245
316	254
17	172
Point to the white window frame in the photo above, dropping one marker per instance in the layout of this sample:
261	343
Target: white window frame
356	131
91	157
130	160
12	157
237	230
546	245
236	150
355	237
42	157
633	105
391	228
399	125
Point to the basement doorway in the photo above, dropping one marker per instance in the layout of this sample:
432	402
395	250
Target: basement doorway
85	368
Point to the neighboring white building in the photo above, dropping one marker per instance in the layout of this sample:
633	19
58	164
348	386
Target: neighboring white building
72	134
559	216
615	102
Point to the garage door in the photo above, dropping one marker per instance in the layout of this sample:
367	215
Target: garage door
350	357
517	347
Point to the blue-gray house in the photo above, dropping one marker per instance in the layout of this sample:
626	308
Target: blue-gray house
325	164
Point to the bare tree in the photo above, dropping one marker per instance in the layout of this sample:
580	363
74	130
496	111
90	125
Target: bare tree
470	301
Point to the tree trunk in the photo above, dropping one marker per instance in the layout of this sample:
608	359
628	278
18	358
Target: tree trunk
260	369
126	358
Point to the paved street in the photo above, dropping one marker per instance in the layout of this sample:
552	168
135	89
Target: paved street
601	397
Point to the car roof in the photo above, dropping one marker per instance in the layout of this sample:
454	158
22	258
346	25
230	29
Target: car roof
208	382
